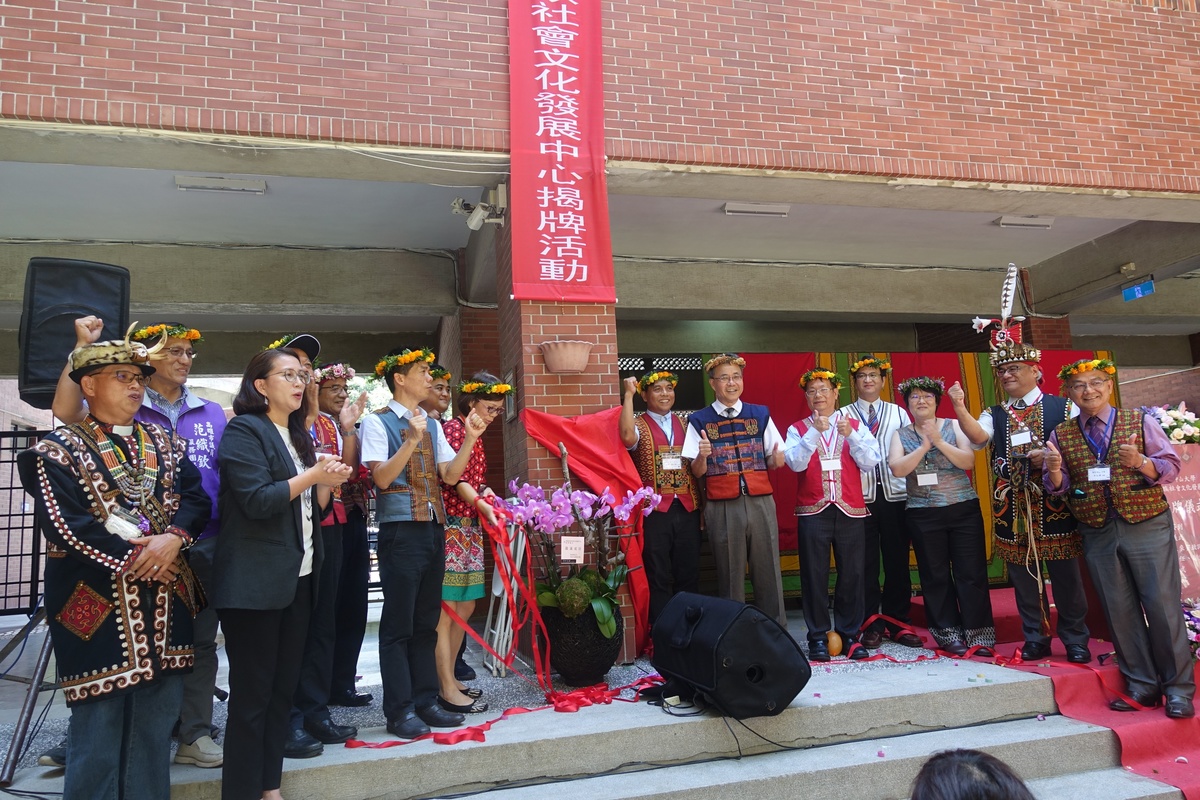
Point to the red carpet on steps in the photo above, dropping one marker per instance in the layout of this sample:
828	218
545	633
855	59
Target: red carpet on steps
1152	744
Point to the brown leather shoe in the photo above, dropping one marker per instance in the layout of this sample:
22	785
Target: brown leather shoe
872	639
908	639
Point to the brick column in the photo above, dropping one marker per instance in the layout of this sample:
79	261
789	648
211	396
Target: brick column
1048	334
522	327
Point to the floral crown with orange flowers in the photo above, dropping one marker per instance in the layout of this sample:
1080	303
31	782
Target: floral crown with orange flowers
871	361
1087	365
173	331
651	378
389	363
440	373
814	374
484	389
721	359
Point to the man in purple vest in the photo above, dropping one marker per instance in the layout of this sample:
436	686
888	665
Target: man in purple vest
1111	464
671	534
201	422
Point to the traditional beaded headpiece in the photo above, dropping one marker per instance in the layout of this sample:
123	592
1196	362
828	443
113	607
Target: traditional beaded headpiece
1007	347
117	351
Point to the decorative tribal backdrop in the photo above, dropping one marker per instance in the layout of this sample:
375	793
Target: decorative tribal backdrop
773	379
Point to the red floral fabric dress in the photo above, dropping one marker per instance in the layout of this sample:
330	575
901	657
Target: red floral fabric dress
464	536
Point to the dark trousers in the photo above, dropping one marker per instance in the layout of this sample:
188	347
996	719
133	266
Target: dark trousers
196	710
952	560
1066	592
818	532
1135	568
887	544
671	554
311	702
264	650
411	565
351	614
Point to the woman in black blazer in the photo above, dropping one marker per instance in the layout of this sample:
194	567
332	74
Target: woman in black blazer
272	492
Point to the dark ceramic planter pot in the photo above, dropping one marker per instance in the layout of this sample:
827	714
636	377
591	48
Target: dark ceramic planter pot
578	651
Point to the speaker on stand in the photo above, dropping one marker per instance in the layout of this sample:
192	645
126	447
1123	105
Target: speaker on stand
59	291
736	657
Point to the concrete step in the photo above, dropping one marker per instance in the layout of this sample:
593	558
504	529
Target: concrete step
1103	784
863	770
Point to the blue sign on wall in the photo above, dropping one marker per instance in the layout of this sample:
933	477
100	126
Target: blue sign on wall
1138	290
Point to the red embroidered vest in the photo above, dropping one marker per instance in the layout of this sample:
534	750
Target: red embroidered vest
1131	497
816	490
326	433
648	455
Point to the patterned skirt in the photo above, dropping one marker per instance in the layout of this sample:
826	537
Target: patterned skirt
464	559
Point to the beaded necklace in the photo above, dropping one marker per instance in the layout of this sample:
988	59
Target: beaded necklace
135	475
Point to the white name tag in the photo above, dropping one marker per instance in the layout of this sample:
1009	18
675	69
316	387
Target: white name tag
1099	474
1021	437
830	464
672	462
572	549
926	479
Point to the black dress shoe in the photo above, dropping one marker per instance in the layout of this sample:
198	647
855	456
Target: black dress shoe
857	652
1032	651
350	699
435	717
408	726
473	707
955	648
1078	654
1180	708
818	651
1144	700
871	639
328	732
463	671
300	745
983	651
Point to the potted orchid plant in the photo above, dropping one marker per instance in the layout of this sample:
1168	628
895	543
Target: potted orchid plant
1179	424
579	602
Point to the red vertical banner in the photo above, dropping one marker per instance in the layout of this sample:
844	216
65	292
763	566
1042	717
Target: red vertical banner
1184	497
558	211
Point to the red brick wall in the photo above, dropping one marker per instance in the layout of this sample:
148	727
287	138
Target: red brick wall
1048	334
1155	386
1045	92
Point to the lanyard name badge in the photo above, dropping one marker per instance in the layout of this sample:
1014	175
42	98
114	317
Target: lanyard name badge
1100	472
1022	435
830	461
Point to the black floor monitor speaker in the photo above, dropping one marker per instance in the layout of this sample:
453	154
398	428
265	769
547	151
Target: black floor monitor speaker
741	660
59	291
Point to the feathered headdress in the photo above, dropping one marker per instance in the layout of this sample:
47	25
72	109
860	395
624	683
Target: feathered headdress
1007	347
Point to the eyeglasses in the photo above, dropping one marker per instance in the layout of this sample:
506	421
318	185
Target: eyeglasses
179	352
818	392
126	377
728	379
491	411
921	398
335	390
868	375
1012	369
1095	384
292	376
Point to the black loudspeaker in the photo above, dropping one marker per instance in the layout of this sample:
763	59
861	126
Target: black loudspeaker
59	291
738	658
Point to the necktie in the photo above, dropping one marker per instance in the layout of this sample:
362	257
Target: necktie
729	412
873	421
1019	405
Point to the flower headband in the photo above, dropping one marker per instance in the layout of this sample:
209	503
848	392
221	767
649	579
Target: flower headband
651	378
438	373
172	331
870	361
334	372
813	374
1087	365
281	341
932	385
389	363
722	359
484	389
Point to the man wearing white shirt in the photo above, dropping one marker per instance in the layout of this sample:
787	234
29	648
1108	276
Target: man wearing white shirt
732	445
887	540
671	534
1030	524
830	450
406	451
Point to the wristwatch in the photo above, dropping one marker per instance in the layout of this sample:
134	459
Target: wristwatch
1142	465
